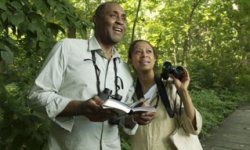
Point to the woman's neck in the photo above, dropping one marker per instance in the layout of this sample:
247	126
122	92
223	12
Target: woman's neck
146	80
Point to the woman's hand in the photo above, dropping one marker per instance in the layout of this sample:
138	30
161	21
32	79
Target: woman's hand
182	88
184	82
143	118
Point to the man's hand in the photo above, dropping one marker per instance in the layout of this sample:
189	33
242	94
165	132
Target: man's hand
93	110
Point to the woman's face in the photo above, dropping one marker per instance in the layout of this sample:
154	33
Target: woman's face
143	58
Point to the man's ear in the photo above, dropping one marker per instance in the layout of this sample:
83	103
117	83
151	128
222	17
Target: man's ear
129	61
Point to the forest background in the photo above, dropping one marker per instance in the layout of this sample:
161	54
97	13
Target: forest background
209	37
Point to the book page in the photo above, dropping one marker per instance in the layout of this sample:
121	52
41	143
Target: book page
144	109
114	104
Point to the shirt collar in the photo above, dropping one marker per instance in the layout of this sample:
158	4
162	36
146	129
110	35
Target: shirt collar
95	46
151	93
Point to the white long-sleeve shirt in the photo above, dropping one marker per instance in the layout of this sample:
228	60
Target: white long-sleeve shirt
69	74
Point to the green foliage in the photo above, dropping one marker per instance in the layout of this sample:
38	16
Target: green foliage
215	106
125	142
28	31
210	106
20	128
210	38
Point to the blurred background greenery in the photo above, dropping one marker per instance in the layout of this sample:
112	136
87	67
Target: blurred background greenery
209	37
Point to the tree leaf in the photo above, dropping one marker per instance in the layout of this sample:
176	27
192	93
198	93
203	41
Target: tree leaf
55	27
17	18
33	27
3	5
16	5
6	54
4	16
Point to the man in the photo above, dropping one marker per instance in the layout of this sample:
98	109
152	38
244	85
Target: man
75	72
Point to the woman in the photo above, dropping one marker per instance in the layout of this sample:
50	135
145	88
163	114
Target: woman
155	135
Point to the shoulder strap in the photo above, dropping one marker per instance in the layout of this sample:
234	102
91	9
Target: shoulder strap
162	92
97	72
164	97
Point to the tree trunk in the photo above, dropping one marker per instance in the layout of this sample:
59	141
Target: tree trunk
1	66
135	21
186	44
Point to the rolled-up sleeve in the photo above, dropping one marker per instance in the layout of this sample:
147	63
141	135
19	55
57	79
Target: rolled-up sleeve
187	123
45	96
130	131
183	119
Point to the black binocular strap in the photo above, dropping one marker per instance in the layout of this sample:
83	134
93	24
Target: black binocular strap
164	97
97	72
162	92
116	78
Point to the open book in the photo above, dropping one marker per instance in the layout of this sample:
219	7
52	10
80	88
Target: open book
122	108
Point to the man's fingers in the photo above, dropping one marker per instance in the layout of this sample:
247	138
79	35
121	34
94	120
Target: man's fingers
97	100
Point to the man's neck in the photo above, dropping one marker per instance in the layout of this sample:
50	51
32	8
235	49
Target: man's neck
107	48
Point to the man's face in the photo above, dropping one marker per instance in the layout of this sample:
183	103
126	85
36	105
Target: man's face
110	28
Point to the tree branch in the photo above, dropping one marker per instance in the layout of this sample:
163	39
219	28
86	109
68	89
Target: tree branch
135	21
186	45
